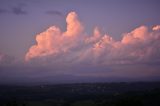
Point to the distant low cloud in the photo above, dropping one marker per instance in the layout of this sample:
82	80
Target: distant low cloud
54	12
140	46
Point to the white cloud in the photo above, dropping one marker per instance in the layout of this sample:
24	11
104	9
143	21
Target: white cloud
74	46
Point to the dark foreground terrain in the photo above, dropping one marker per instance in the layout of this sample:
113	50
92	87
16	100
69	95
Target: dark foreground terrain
82	94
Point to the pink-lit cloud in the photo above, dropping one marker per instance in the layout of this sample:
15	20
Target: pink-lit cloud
141	45
156	28
53	41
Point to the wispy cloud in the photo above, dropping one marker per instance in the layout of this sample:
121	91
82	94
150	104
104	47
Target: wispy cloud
3	11
19	9
54	12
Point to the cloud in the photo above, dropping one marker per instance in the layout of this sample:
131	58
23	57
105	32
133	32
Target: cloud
3	11
74	26
55	42
156	28
18	11
54	13
73	46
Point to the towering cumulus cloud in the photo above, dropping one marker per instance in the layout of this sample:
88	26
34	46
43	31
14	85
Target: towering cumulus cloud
138	46
53	41
74	26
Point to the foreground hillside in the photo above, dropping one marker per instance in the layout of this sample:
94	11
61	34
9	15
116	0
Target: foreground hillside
82	94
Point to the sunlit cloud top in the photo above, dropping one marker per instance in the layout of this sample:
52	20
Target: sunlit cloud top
138	46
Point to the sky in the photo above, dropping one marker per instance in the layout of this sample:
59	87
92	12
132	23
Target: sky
67	41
